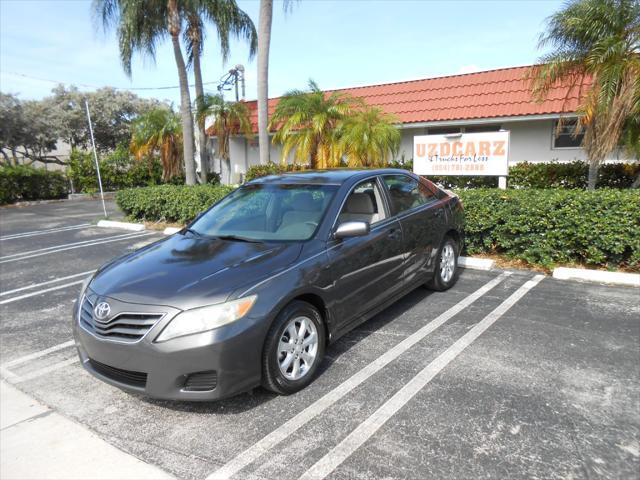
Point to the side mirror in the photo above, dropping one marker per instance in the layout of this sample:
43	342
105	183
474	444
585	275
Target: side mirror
352	229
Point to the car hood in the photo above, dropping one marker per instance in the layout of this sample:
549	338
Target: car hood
184	271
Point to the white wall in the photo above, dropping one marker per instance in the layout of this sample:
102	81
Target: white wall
531	141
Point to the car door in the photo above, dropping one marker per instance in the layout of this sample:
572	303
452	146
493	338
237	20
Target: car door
422	216
366	270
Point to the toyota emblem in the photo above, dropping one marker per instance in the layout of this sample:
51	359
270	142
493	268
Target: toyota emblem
102	311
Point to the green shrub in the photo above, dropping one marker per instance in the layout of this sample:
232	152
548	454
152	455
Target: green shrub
521	175
118	170
28	183
555	226
169	203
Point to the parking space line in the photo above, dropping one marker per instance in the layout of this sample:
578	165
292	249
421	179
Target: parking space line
366	429
44	232
40	292
54	247
316	408
38	354
48	251
43	371
48	282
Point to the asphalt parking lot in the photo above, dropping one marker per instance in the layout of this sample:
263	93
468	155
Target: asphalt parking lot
507	375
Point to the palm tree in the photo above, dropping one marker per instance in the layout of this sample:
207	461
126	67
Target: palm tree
369	138
307	124
159	131
229	118
141	25
595	54
229	19
264	42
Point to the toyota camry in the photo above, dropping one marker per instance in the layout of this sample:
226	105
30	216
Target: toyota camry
255	288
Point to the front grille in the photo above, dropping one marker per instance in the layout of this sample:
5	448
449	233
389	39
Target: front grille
127	327
128	377
201	381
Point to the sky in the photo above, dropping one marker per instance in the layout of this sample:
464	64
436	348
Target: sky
337	43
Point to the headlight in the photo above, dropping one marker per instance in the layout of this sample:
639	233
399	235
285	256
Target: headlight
207	318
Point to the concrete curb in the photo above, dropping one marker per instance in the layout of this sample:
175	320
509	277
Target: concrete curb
136	227
91	196
476	263
171	230
597	276
37	442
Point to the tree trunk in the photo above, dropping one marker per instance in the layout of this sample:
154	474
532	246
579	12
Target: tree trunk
185	113
636	182
264	40
593	174
202	135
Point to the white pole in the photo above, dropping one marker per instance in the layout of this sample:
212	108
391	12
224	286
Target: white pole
95	156
502	183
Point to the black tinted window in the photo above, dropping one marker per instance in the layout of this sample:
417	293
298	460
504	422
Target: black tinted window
407	193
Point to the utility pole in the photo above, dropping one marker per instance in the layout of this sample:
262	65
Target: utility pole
95	156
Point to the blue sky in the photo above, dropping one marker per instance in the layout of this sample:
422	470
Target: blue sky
337	43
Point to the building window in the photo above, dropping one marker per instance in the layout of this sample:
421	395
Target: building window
482	128
444	130
565	137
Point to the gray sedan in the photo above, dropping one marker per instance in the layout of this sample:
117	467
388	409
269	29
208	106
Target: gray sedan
255	288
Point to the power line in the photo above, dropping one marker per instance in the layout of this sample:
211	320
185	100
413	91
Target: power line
57	82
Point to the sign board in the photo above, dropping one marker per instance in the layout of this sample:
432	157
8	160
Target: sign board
484	153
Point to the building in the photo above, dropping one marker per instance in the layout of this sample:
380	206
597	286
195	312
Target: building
475	102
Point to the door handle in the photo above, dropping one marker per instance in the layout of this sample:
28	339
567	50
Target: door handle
393	233
439	212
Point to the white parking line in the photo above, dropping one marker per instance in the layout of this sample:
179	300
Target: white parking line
41	353
43	371
40	292
48	282
62	248
366	429
44	232
316	408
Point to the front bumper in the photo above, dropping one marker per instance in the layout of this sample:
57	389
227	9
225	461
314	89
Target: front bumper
227	359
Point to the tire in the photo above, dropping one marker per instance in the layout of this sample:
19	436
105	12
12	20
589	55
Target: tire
446	268
279	372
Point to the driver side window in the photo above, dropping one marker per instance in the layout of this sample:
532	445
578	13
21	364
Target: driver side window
364	204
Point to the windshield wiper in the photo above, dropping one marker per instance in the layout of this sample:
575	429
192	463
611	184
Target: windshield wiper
191	230
236	238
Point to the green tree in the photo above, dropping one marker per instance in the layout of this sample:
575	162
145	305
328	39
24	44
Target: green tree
228	19
159	131
368	138
112	112
28	132
141	25
228	118
307	124
595	48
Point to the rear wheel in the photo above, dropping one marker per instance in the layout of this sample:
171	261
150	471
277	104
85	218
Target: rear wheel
446	268
293	349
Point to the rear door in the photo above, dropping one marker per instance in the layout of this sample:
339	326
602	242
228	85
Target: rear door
423	219
366	270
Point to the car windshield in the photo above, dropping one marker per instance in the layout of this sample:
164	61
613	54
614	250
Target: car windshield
259	212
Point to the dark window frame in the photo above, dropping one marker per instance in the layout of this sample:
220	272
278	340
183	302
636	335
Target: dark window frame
572	142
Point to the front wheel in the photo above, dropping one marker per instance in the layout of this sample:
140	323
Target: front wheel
293	349
446	268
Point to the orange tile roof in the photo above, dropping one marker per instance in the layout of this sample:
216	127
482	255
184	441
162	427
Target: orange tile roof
494	93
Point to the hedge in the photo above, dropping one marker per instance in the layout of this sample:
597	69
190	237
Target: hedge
28	183
540	227
521	175
169	203
555	226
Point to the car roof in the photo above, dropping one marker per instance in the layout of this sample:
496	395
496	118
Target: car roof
336	176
